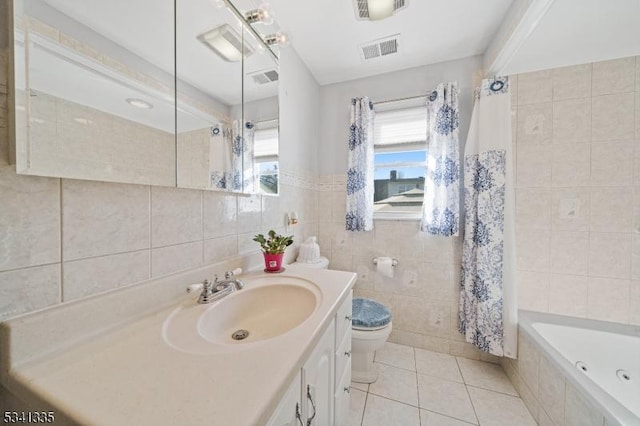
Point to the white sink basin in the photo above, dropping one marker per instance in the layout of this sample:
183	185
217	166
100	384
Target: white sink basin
266	308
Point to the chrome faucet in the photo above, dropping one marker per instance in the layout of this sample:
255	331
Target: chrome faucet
212	291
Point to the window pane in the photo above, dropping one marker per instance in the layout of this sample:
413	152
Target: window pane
399	181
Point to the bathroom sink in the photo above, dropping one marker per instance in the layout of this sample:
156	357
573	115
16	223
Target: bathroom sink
266	308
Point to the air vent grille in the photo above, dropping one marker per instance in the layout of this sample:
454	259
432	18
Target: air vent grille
362	10
382	47
264	77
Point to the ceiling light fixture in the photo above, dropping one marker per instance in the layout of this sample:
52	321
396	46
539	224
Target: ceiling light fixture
262	14
380	9
375	10
139	103
226	43
280	38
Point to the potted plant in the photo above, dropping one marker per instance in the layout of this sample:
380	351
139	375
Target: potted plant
273	249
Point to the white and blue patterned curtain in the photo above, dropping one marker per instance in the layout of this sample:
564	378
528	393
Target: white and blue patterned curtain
226	165
360	187
488	308
440	210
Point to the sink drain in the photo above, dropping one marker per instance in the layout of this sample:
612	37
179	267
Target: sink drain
240	335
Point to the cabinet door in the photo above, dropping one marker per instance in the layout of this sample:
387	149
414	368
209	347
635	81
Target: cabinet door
343	397
289	407
318	382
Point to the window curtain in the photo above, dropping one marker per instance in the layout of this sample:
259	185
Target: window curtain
360	173
488	303
440	209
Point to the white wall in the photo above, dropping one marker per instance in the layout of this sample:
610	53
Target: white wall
417	81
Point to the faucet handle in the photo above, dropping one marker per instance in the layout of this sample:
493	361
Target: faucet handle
230	274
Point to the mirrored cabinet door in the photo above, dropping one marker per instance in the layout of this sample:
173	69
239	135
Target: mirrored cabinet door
209	57
95	90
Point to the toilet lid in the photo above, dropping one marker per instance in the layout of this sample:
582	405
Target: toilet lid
368	313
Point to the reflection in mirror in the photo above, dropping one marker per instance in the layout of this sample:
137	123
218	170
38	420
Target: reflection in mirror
209	95
260	112
94	90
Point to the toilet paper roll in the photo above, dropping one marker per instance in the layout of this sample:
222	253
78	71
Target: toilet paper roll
385	267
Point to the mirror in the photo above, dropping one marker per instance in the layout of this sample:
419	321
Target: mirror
129	97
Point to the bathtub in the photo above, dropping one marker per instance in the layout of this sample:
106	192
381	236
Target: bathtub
587	371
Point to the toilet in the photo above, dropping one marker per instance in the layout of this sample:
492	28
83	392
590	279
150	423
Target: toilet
370	320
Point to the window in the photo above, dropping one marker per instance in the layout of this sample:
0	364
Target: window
400	161
265	153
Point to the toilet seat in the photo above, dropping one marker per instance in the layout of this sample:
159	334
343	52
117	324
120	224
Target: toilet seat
369	315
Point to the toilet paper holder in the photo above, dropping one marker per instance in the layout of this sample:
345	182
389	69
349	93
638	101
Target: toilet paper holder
394	261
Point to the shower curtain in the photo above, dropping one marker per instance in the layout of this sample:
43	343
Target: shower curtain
360	173
488	303
227	146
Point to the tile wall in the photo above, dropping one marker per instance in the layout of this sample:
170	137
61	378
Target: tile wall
423	294
577	143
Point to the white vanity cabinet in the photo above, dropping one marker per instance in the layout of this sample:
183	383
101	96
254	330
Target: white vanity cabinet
343	362
320	392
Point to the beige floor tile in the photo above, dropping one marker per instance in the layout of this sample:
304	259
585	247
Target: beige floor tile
360	386
497	409
437	364
429	418
396	355
356	407
445	397
485	375
396	383
384	412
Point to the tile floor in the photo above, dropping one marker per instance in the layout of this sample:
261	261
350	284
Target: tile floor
416	387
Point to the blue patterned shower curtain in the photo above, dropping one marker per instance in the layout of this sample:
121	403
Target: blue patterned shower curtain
488	307
440	209
360	187
228	146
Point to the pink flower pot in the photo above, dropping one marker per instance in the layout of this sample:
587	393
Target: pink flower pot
273	262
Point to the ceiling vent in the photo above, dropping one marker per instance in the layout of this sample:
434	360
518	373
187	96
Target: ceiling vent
362	9
264	77
379	48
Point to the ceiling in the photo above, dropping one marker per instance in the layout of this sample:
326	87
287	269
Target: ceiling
327	34
597	30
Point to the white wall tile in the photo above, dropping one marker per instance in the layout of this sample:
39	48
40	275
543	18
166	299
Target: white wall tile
94	275
533	250
534	124
170	259
570	210
250	214
572	121
612	117
533	208
533	291
100	218
610	255
220	248
568	295
571	165
572	82
611	209
534	87
176	216
634	303
25	290
220	214
569	252
615	76
608	299
578	411
612	163
29	220
533	166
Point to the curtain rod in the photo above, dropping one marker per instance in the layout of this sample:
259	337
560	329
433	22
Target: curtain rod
399	99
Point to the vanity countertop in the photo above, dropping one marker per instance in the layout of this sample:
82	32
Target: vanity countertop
130	375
